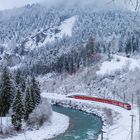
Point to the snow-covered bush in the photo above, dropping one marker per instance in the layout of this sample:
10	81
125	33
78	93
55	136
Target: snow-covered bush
41	114
109	114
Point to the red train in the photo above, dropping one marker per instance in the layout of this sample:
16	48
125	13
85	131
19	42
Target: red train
108	101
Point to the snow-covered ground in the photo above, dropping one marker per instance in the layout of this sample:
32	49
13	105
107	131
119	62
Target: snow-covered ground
5	124
118	63
59	124
121	127
65	29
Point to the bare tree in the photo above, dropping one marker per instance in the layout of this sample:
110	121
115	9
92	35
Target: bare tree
134	3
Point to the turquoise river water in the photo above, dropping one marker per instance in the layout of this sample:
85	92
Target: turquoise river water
83	126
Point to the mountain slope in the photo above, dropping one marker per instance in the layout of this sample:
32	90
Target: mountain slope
49	35
41	36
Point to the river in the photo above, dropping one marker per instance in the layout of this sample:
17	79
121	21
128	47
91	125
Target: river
83	126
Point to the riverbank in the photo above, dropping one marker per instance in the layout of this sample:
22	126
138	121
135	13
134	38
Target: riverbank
118	128
58	124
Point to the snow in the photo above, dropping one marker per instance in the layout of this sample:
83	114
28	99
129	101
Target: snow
65	29
6	124
18	66
118	63
59	124
121	128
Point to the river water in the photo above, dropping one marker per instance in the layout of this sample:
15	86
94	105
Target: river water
83	126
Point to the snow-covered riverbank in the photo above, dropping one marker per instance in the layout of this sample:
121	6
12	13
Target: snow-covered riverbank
121	126
59	124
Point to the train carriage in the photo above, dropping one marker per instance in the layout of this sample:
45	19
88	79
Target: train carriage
108	101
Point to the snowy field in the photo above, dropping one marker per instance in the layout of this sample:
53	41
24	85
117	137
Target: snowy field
119	130
118	63
59	124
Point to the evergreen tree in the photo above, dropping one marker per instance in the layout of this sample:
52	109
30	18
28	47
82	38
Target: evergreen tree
35	92
23	84
135	43
91	46
129	47
6	94
20	80
18	77
29	103
18	111
90	50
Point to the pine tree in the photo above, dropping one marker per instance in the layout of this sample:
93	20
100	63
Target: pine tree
35	92
91	46
18	111
18	77
20	80
23	84
90	50
128	48
6	94
29	104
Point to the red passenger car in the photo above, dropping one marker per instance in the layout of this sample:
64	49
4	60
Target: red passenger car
114	102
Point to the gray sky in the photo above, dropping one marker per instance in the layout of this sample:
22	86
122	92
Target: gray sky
8	4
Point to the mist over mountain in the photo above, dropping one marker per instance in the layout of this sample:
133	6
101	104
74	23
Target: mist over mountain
8	4
95	4
103	4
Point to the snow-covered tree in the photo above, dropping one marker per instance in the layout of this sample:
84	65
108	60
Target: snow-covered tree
29	103
17	111
35	92
6	93
18	77
20	80
41	114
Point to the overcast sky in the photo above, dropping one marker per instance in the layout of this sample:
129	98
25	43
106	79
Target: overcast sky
8	4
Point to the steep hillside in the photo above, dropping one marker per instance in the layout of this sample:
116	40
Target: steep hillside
115	79
50	34
43	39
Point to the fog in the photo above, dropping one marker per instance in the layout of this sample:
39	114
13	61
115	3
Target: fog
97	4
9	4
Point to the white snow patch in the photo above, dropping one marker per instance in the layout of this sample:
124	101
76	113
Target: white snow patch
59	124
65	30
118	63
66	27
5	124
